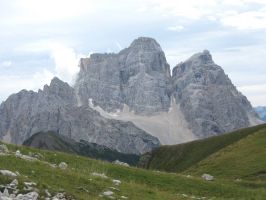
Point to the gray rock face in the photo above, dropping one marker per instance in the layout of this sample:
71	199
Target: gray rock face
137	76
55	109
209	101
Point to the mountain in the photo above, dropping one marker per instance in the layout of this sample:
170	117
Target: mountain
261	110
209	101
197	101
131	103
55	109
86	178
237	154
56	142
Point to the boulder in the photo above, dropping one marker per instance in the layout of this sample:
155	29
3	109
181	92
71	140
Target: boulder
108	193
8	173
14	183
102	175
63	165
117	162
28	196
207	177
116	182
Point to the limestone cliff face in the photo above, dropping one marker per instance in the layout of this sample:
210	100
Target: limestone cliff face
209	101
137	76
55	109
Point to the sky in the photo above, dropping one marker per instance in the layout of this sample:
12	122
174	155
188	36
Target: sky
40	39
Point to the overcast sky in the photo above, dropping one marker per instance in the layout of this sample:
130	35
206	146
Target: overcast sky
40	39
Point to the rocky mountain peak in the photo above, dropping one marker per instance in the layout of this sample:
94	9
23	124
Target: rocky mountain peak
59	92
137	76
201	58
199	63
56	82
145	43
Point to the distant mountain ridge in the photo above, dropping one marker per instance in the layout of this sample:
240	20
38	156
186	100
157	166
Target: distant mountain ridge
261	110
131	103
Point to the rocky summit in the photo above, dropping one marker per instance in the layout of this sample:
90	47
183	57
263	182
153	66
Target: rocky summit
211	104
138	76
125	101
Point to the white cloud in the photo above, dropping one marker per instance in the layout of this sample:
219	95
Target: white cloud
255	93
246	20
6	63
66	62
43	11
190	9
65	58
240	14
175	28
14	83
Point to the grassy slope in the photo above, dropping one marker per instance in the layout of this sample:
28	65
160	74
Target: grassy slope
243	159
136	183
177	158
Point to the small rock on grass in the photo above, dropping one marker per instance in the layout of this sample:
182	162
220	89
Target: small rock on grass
8	173
14	183
207	177
116	182
62	165
28	196
117	162
47	193
30	184
108	193
102	175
